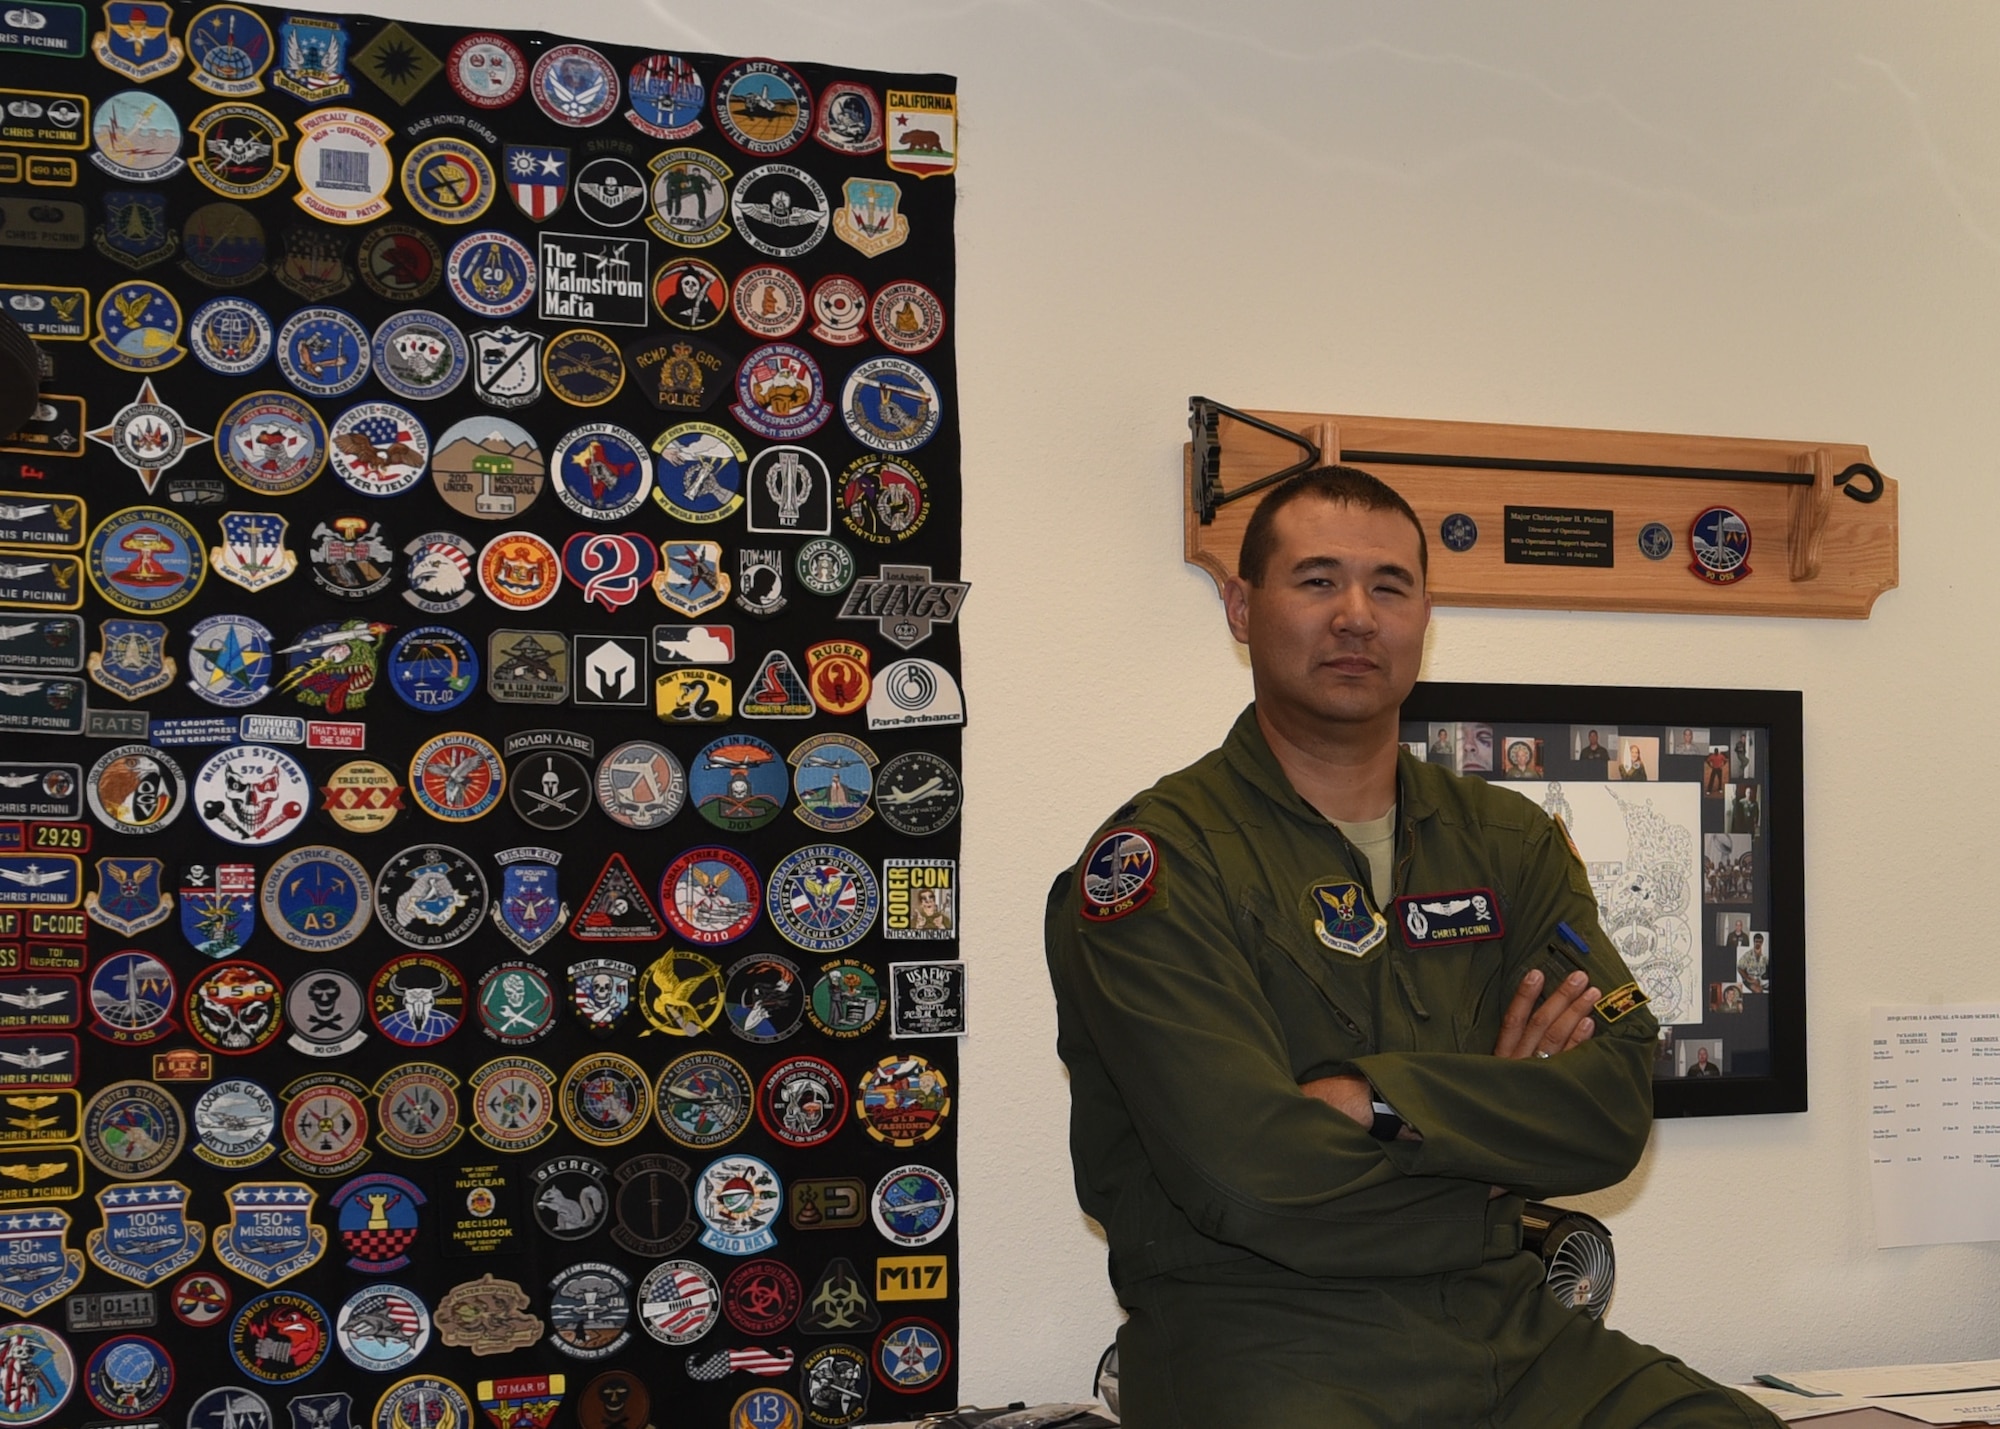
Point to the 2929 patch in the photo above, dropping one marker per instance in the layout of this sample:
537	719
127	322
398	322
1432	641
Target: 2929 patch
1120	875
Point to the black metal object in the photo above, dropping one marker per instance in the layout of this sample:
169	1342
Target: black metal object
1576	1249
1204	421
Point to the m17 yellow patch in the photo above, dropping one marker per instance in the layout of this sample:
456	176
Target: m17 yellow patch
1619	1001
911	1277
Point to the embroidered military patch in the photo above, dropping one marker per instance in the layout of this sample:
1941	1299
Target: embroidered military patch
1120	875
1346	922
1619	1001
1467	916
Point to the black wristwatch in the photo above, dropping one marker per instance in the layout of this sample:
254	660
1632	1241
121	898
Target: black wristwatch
1386	1124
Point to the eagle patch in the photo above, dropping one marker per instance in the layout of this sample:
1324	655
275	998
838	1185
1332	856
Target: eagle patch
1346	922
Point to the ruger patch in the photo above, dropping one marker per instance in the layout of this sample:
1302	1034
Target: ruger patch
1619	1001
1468	916
1346	923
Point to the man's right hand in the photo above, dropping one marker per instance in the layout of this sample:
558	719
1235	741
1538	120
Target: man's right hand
1560	1023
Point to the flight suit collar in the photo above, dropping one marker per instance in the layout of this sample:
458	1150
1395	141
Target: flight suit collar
1249	754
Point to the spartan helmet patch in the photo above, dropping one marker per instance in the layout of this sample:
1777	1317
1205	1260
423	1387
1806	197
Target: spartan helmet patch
1346	921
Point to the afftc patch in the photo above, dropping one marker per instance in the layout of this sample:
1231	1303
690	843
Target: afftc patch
1468	916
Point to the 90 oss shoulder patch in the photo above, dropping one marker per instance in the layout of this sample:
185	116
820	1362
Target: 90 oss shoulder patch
1120	875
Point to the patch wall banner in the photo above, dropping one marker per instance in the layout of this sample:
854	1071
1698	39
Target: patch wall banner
479	884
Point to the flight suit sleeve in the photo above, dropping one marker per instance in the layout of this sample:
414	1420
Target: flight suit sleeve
1175	1016
1574	1122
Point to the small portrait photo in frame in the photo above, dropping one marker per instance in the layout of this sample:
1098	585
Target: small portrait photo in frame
1592	744
1715	771
1727	867
1745	810
1699	1057
1521	757
1687	741
1638	758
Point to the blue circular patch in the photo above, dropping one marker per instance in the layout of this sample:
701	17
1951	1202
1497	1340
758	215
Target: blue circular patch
420	355
575	86
383	1327
822	898
271	443
491	273
781	393
230	336
1721	541
699	476
891	405
1458	531
667	97
378	1221
433	669
317	899
739	783
144	559
139	326
224	244
129	1376
229	661
323	352
132	995
1656	542
230	1407
231	47
602	472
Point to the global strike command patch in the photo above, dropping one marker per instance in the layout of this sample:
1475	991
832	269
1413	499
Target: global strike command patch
1469	915
1120	875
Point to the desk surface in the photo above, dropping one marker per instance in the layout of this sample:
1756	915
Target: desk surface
1862	1419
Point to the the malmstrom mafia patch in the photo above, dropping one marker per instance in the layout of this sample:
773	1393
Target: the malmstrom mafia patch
1346	922
1616	1003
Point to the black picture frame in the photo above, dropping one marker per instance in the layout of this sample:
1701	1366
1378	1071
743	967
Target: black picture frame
1768	1075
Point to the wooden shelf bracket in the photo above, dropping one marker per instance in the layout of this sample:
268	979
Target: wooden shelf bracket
1810	555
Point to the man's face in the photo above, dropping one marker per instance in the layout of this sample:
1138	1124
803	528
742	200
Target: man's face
1593	739
1336	632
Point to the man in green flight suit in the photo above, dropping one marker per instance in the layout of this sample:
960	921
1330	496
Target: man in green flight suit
1330	1012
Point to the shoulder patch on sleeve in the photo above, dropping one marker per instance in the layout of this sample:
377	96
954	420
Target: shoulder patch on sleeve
1616	1003
1579	874
1120	875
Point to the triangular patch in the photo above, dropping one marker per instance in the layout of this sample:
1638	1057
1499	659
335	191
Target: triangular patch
838	1303
776	691
617	910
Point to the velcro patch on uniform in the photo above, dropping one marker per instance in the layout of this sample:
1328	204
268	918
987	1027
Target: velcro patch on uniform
1619	1001
1469	915
1563	829
1346	922
1120	875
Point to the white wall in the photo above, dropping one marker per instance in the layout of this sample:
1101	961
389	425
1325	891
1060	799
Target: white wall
1752	218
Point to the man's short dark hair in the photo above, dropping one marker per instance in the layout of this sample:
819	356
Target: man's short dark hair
1340	485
